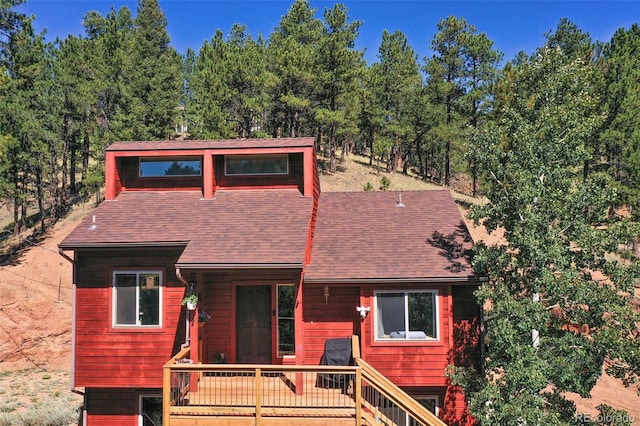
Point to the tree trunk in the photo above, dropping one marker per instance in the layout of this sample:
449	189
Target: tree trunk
40	197
85	156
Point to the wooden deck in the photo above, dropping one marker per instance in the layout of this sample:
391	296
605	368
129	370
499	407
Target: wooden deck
272	397
213	394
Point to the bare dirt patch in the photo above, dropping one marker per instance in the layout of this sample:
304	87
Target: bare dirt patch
35	302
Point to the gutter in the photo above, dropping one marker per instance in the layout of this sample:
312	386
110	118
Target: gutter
187	332
238	265
442	280
73	325
144	244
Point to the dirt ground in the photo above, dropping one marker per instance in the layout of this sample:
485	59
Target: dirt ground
36	297
35	303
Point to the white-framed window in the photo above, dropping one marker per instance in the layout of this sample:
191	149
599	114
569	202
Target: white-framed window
150	409
406	315
172	166
430	402
137	298
251	165
286	321
400	417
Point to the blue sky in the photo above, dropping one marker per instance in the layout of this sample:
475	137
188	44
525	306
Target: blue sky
513	25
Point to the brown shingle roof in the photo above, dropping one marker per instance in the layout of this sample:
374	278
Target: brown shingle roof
211	144
363	235
235	227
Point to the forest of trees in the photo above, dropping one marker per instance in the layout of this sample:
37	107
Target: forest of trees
63	102
551	138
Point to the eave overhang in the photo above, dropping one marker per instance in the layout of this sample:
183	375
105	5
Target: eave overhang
124	245
416	280
239	265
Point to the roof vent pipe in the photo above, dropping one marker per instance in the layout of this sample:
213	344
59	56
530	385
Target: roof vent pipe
399	203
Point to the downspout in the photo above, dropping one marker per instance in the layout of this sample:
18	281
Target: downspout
73	338
187	332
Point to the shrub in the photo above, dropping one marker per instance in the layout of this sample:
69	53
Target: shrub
385	183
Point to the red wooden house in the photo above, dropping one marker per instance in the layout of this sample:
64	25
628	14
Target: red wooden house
278	266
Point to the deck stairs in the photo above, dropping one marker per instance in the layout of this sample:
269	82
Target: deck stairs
215	394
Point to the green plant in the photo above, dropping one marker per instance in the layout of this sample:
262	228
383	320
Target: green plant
385	183
192	298
368	187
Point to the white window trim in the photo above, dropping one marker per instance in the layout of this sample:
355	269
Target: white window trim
114	298
436	313
140	398
434	397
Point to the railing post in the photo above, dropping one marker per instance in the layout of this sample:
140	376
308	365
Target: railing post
258	388
358	391
166	395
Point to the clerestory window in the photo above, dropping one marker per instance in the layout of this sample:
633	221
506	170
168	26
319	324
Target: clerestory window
251	165
163	166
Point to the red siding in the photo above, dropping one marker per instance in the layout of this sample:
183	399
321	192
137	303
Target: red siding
455	411
130	180
295	178
217	334
335	318
217	294
114	357
108	407
464	352
410	364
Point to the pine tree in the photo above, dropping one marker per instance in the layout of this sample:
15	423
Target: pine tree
338	66
292	49
155	77
397	82
620	137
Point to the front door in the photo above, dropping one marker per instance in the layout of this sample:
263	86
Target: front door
253	324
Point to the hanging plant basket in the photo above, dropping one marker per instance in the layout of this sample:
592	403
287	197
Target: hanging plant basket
190	302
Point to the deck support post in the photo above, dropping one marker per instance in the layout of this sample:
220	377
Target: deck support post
258	396
194	343
166	395
358	396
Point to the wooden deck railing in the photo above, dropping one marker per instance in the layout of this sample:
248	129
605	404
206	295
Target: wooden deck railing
294	394
260	392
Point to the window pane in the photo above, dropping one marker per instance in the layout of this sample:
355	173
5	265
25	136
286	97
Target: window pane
286	337
391	315
168	167
286	328
421	315
428	403
149	299
151	411
125	289
285	301
257	164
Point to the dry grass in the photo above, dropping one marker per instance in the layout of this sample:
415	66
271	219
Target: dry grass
37	397
355	173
